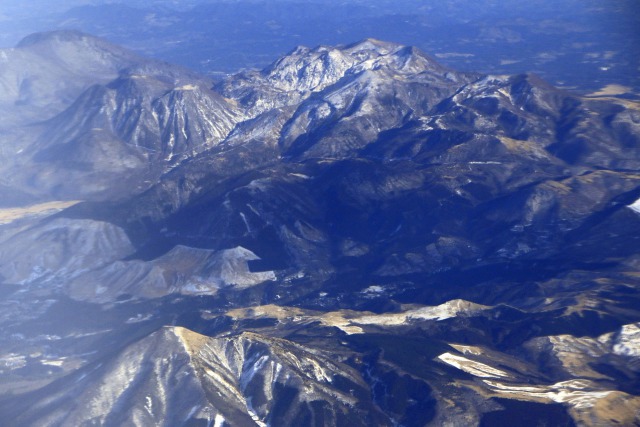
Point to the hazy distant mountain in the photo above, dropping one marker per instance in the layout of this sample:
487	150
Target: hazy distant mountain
82	113
586	44
353	235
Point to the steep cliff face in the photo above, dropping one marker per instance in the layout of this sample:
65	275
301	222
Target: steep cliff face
353	235
147	109
131	130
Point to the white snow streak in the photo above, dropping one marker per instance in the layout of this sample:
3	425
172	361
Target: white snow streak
218	421
635	206
472	367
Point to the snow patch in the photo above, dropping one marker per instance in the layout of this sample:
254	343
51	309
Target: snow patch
635	206
149	405
13	361
300	175
254	415
248	375
573	392
53	362
444	311
628	341
231	264
246	223
218	421
192	412
471	366
351	324
224	384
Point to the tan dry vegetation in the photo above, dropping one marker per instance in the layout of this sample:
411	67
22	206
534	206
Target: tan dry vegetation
612	89
351	321
617	408
523	147
192	341
269	311
340	319
42	209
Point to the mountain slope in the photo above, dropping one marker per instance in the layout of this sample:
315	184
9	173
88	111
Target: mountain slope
185	378
45	72
100	120
352	230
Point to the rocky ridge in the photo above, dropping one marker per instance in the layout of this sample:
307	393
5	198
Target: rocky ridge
352	230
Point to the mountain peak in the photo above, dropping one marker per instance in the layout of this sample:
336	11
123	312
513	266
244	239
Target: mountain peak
78	50
53	36
76	53
57	44
371	44
304	70
192	341
308	69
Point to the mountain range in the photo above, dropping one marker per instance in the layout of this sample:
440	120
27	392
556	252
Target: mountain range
355	234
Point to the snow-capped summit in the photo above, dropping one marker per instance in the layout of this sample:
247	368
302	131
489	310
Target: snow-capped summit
354	235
